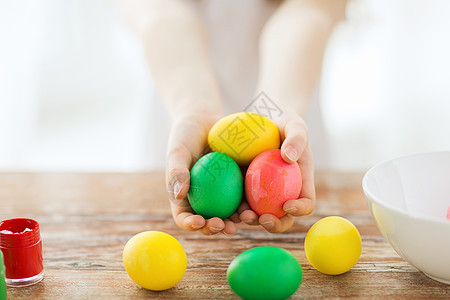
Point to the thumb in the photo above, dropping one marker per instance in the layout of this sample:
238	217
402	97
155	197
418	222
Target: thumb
178	176
296	140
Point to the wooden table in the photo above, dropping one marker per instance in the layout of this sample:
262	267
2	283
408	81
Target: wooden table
86	219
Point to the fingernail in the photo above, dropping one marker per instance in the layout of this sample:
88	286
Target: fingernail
268	224
291	153
291	210
177	188
249	222
214	229
193	226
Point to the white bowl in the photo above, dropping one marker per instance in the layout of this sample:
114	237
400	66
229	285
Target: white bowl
409	198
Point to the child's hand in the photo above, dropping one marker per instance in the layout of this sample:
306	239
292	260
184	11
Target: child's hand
187	143
295	149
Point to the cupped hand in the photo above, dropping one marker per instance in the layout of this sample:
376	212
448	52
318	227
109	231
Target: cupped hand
294	149
188	141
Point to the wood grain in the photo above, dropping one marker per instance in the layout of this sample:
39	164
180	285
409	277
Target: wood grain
86	219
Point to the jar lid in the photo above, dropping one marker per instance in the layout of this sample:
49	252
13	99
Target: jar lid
19	233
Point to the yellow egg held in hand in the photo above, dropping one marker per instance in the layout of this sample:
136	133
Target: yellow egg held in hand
155	260
333	245
243	136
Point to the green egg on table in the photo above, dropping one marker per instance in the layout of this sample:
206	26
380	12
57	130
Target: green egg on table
265	273
216	186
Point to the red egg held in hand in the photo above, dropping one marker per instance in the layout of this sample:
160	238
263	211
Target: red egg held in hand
270	182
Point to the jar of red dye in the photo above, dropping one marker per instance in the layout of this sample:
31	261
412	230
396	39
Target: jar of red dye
20	242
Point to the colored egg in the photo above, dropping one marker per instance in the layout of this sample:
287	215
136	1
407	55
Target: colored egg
3	294
243	136
270	182
216	187
265	273
333	245
155	260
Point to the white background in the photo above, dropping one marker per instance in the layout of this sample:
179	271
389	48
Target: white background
386	88
75	92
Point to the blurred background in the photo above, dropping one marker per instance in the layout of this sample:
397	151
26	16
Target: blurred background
76	93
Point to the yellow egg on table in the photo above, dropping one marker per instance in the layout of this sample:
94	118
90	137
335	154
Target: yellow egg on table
243	136
155	260
333	245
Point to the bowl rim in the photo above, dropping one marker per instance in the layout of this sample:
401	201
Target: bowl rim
375	199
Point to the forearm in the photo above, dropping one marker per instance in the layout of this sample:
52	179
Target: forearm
292	46
176	50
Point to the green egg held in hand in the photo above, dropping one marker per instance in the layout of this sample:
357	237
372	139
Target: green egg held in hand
216	186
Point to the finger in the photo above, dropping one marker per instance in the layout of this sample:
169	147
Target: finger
230	227
212	226
178	177
274	225
235	217
249	217
296	140
178	181
308	192
189	221
243	206
299	207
